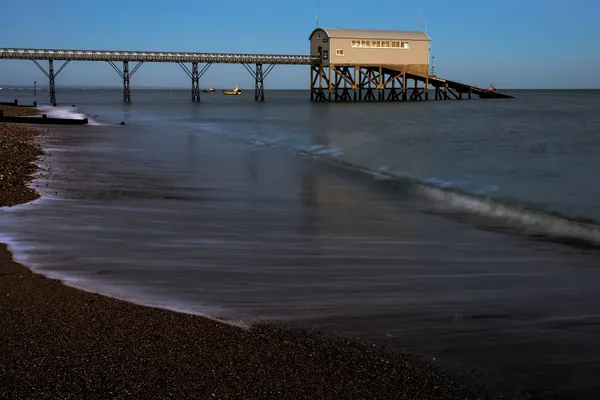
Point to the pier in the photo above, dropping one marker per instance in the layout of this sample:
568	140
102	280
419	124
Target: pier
345	65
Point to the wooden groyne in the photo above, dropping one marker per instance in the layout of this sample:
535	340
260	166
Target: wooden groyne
16	104
42	120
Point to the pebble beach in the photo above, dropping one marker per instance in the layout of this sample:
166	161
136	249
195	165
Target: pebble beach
60	342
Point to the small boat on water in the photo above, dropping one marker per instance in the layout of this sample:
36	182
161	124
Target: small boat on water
236	90
209	90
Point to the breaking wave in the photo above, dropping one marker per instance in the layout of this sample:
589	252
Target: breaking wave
477	207
67	113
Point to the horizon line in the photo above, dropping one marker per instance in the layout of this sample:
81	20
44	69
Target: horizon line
45	88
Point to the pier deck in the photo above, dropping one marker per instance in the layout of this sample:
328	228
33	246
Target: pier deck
154	56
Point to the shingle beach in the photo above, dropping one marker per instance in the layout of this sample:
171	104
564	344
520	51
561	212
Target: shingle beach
58	342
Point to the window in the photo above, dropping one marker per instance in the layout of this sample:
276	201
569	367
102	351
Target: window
339	52
379	44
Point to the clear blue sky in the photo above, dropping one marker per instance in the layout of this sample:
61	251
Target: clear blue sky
510	43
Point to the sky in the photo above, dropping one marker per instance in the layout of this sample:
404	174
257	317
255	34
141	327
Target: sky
508	43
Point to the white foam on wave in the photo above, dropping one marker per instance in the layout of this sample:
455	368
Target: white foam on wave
526	220
322	150
464	184
445	199
67	113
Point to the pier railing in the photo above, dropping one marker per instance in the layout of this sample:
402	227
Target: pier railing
154	56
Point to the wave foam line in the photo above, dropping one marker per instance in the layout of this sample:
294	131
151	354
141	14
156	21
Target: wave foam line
537	223
532	221
67	113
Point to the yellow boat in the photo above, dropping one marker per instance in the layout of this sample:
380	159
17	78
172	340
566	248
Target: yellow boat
235	90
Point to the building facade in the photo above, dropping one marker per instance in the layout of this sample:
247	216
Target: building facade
406	51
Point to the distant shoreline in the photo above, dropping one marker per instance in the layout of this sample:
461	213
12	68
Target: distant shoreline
29	87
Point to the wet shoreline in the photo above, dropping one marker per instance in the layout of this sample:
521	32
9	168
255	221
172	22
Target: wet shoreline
60	341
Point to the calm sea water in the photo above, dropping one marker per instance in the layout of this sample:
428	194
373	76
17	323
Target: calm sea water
462	230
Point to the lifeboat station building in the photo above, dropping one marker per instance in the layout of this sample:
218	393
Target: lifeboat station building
356	65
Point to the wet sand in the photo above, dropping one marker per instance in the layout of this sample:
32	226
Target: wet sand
60	342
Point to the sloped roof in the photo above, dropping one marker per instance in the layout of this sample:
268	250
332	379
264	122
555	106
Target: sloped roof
372	34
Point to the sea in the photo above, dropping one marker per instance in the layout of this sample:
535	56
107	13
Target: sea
466	232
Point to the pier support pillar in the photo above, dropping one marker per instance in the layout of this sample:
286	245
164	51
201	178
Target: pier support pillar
51	77
356	85
330	83
259	76
126	75
126	84
312	83
380	86
259	87
195	74
195	82
340	83
52	83
317	76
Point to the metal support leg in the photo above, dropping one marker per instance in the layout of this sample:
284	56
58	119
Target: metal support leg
329	82
195	82
259	78
259	88
51	77
312	86
52	87
380	87
126	84
195	76
126	75
355	84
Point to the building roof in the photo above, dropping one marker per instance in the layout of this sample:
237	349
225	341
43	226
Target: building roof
372	34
